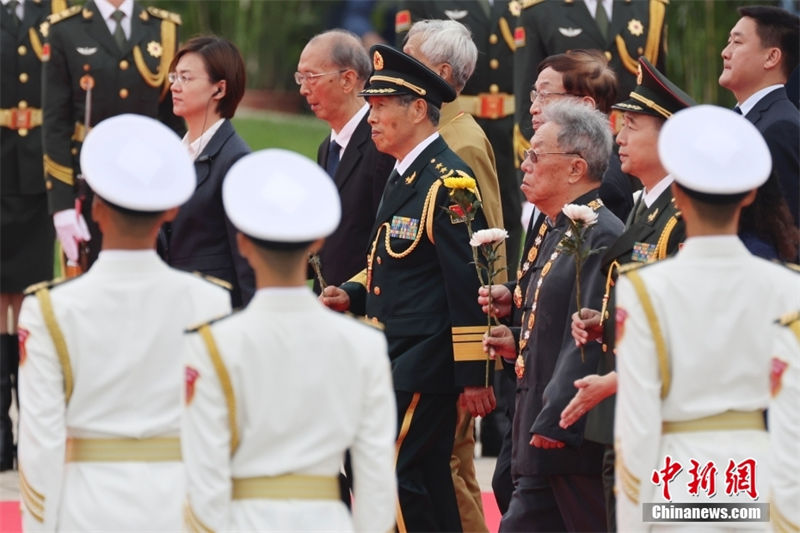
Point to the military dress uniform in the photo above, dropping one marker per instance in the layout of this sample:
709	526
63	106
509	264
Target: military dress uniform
784	424
81	55
547	27
26	231
101	358
276	393
679	322
488	95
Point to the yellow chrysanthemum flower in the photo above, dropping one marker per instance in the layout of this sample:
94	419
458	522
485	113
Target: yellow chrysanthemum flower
463	182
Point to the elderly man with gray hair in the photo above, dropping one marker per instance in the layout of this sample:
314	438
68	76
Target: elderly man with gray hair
446	47
556	471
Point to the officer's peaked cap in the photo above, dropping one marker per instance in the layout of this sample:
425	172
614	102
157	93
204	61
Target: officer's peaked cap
654	94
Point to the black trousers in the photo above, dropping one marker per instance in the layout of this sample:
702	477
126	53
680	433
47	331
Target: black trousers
556	503
426	429
9	366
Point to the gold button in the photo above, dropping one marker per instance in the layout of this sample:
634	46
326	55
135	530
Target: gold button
22	50
86	67
493	39
74	151
23	77
48	185
123	65
376	290
494	89
22	132
608	55
640	50
493	64
123	93
379	260
22	104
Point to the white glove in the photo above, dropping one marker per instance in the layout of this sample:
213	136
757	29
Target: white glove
71	229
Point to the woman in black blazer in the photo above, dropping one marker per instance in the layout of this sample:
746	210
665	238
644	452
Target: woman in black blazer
207	80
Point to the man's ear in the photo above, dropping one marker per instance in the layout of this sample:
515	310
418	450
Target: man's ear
419	108
578	168
348	80
773	60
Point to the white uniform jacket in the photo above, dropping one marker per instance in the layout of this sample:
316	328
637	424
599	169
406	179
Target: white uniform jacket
784	426
122	325
715	306
305	384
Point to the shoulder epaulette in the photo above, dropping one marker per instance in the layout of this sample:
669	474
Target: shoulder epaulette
45	285
196	327
216	281
164	14
63	15
371	322
789	318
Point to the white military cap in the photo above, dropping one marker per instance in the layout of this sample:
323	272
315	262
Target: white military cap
714	151
280	196
137	163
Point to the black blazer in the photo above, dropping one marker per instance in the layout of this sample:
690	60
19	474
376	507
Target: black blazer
202	238
778	120
360	179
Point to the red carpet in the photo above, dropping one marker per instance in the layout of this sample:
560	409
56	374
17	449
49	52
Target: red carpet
10	517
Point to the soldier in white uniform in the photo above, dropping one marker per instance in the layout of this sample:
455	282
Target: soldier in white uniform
280	390
101	355
784	426
696	335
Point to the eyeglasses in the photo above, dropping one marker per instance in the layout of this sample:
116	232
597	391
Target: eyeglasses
543	96
180	79
534	157
299	77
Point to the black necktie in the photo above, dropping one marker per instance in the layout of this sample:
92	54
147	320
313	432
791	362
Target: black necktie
11	8
391	184
119	33
737	110
641	207
333	158
601	17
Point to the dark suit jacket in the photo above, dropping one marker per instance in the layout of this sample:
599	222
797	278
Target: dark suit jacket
778	120
426	292
552	361
360	179
202	238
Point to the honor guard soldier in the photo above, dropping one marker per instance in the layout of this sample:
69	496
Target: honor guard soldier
420	284
103	59
26	249
101	355
680	436
325	378
622	29
488	93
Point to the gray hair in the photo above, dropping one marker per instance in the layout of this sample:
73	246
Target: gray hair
584	130
346	51
433	111
448	41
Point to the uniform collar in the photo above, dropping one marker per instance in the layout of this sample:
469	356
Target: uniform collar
403	165
713	246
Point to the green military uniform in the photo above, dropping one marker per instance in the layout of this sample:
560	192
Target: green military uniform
547	27
82	55
488	94
26	231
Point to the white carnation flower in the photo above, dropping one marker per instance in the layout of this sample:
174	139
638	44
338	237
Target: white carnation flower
580	213
488	236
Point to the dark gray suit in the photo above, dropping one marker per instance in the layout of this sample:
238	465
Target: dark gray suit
360	179
202	238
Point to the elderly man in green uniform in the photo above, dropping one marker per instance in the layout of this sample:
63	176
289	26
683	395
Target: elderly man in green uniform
103	59
654	231
417	283
623	29
26	249
487	95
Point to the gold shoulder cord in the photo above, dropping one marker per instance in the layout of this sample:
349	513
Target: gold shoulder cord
43	295
224	381
663	239
156	79
658	338
36	43
425	208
